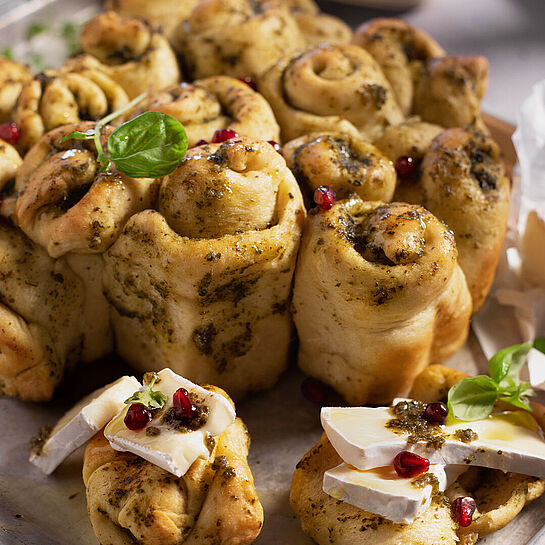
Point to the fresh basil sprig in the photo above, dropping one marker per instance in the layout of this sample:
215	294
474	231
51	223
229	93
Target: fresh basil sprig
151	145
474	398
152	399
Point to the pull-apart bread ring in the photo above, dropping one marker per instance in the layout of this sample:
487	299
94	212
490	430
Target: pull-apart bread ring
66	204
60	97
12	78
132	501
220	102
239	38
41	307
164	13
203	284
130	51
378	296
438	88
499	496
346	163
330	88
399	48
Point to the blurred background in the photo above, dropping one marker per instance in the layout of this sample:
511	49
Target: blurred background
510	33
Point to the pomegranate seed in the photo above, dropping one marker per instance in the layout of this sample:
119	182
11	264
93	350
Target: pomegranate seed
277	147
435	413
463	509
221	135
184	407
249	82
324	197
409	464
200	142
10	132
407	167
138	416
315	391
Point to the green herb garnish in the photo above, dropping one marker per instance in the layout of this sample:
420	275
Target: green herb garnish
70	33
33	29
7	53
474	398
151	145
152	399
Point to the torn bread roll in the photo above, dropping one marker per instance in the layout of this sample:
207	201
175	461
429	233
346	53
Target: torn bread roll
338	88
13	76
378	295
203	284
219	102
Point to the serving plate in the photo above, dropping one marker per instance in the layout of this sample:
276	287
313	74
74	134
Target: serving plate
40	510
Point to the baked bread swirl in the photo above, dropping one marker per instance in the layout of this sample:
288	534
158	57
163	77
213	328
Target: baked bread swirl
40	317
215	503
239	38
400	49
130	51
60	97
378	295
330	88
220	102
499	496
202	285
66	204
441	89
164	13
13	76
345	163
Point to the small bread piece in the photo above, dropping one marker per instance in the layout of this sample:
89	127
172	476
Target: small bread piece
346	163
338	88
215	503
219	102
130	51
13	76
330	521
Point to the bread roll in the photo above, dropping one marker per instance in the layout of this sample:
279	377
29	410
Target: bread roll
215	103
214	503
13	76
345	163
10	162
378	295
463	183
239	38
130	51
203	284
400	49
330	88
59	97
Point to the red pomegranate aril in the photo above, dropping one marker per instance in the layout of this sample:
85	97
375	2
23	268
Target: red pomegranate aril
409	464
249	82
137	417
184	408
435	413
324	197
277	147
199	143
406	167
221	135
10	132
315	391
463	509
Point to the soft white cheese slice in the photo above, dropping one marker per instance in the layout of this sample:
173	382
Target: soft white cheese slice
81	422
383	492
173	450
510	441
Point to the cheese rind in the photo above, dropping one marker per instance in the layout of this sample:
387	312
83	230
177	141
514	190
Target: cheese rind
83	421
173	450
509	441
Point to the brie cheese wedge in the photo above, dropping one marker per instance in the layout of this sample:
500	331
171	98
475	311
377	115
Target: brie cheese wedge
509	441
83	421
162	444
383	492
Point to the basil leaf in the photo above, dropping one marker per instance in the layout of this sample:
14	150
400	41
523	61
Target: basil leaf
539	344
151	145
78	135
151	398
508	362
473	398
